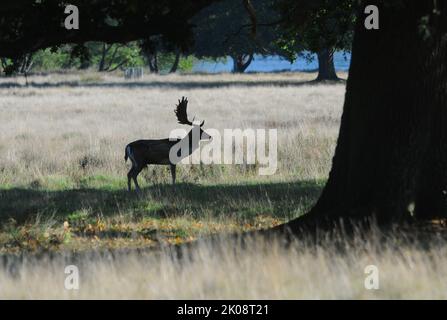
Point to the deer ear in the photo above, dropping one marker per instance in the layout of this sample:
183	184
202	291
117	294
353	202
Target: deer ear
203	122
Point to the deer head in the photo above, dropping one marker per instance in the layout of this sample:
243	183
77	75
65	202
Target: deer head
182	117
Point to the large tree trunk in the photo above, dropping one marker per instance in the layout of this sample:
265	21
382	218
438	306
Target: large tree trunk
241	62
326	67
391	157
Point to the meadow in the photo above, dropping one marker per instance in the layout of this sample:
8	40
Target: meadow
64	198
63	175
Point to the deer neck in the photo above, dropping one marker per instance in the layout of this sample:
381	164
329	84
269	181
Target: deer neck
193	139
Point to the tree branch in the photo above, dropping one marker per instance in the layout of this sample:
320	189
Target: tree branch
31	26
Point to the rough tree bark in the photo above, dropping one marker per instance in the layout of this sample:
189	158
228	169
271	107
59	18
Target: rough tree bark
391	156
326	67
241	62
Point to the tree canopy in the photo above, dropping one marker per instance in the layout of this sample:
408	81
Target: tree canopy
317	24
206	28
27	26
224	29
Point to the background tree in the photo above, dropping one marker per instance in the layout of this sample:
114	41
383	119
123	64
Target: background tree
319	26
110	57
100	56
159	52
18	65
223	29
54	59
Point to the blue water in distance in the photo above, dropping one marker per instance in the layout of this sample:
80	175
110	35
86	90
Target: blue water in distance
274	63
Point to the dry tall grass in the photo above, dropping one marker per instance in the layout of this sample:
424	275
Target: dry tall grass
264	271
67	126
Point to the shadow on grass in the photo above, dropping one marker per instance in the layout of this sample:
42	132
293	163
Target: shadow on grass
284	200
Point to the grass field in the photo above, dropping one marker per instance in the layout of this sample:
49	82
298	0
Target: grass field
63	196
62	145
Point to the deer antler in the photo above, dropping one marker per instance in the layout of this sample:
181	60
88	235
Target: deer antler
180	112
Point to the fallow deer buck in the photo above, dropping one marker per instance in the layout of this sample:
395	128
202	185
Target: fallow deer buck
144	152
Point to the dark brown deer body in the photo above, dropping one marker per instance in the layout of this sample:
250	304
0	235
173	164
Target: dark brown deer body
145	152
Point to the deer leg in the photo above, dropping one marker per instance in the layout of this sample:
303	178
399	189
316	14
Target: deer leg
129	177
134	177
173	173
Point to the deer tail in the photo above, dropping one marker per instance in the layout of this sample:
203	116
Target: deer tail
126	153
